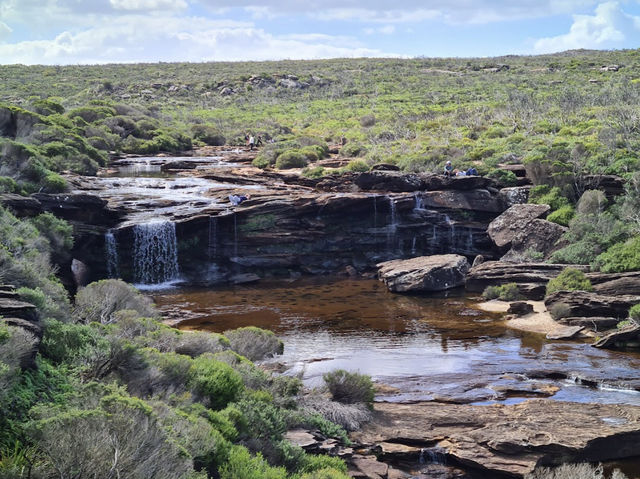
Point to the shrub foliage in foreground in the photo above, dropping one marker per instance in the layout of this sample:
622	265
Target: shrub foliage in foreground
349	387
570	279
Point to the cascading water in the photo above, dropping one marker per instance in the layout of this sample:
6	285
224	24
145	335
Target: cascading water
433	455
111	255
213	237
155	259
393	225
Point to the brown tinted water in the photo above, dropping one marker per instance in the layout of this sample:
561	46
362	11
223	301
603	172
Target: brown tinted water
422	347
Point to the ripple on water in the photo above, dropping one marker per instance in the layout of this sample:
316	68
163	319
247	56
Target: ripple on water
424	347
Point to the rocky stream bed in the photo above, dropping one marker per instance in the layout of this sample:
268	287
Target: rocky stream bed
456	383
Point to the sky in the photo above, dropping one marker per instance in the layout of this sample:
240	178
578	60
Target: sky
62	32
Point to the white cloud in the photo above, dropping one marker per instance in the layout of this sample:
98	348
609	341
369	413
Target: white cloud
384	30
608	28
148	5
400	11
135	38
5	31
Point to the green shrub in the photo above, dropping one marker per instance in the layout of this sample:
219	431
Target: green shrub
620	257
570	279
503	177
545	195
54	183
316	172
254	343
208	134
349	387
352	150
634	312
505	292
214	381
291	159
357	166
241	465
559	311
261	162
261	419
318	462
326	473
65	342
56	230
99	301
8	185
562	215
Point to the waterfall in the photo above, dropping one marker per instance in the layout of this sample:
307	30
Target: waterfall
375	211
417	201
213	238
393	225
433	455
235	236
155	253
413	246
111	254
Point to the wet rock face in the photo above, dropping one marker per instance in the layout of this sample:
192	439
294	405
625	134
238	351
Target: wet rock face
509	439
424	273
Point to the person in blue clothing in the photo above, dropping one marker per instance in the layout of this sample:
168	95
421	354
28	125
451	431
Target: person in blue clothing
235	200
472	171
448	169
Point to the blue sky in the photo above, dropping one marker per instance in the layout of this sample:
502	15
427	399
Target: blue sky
109	31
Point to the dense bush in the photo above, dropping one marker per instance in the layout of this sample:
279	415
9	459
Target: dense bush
254	343
100	301
208	134
620	257
349	388
562	215
216	382
291	159
570	279
505	292
634	313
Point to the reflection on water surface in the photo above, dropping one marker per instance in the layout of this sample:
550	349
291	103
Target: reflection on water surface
423	347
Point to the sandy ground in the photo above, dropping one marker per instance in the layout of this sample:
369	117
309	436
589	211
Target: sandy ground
539	321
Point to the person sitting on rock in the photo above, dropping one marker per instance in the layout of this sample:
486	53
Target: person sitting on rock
448	169
235	200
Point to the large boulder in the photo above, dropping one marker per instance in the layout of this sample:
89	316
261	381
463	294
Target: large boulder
424	273
512	222
538	235
586	304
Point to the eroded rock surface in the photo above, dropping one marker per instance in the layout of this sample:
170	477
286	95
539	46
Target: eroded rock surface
539	236
424	273
586	304
510	439
504	229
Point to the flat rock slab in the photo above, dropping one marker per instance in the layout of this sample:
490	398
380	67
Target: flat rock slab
510	439
424	273
567	332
